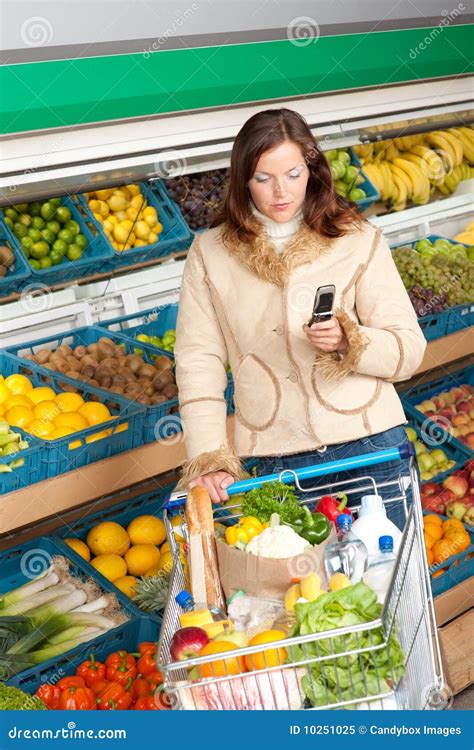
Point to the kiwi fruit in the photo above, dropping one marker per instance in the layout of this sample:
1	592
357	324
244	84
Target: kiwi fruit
170	391
158	398
63	351
42	356
147	371
80	351
6	257
74	364
162	363
134	362
88	371
92	349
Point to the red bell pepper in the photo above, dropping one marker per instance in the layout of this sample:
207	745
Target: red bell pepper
73	681
155	678
146	703
146	646
91	671
120	667
140	688
99	685
115	697
77	699
332	507
49	694
147	663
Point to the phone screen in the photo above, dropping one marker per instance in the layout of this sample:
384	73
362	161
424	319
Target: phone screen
325	303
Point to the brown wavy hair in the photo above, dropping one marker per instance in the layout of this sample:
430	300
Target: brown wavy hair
323	210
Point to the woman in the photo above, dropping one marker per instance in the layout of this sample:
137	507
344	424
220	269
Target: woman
303	395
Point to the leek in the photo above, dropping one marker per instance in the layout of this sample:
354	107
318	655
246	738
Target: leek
42	582
42	597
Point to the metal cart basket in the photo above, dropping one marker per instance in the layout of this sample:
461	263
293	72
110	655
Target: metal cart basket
349	667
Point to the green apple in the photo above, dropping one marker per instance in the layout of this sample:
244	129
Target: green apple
425	476
424	244
440	242
356	194
350	175
439	456
331	155
237	637
411	434
344	156
425	462
338	169
420	447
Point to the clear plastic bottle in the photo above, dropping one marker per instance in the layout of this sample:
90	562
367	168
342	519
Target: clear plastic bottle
379	573
348	555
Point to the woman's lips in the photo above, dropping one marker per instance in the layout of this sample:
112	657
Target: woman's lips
280	206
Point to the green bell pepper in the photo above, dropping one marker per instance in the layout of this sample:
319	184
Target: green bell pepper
314	527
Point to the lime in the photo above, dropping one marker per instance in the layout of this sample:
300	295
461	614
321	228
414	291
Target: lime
35	264
37	222
65	234
35	208
20	229
25	219
356	194
73	227
48	210
48	236
26	243
56	258
81	241
12	214
55	201
54	225
21	207
351	174
39	250
74	252
60	247
344	157
63	214
35	234
46	262
8	222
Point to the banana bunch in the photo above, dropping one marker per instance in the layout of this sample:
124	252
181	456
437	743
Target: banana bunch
467	235
409	168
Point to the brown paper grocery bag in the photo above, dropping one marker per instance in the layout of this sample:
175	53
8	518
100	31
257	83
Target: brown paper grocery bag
264	576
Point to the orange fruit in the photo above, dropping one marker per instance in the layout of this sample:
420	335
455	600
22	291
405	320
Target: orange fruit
17	401
220	667
69	401
430	558
42	393
98	436
71	419
60	432
435	531
80	547
439	573
433	518
19	416
442	550
429	540
40	428
271	657
4	393
452	524
18	385
94	412
46	410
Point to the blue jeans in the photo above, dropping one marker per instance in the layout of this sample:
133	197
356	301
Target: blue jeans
385	472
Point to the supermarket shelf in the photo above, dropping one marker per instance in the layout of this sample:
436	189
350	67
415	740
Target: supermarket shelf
443	351
51	498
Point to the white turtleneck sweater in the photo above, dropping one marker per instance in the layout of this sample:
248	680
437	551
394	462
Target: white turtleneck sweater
280	233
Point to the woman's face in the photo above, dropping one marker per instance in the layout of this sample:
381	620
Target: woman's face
278	186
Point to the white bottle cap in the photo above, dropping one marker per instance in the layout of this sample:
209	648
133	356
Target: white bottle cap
371	504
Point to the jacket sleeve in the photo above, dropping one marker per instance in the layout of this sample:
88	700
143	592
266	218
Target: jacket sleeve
387	342
201	360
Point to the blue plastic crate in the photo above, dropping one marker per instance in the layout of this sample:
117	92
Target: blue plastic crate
22	476
154	322
20	564
127	637
457	568
93	257
371	192
19	272
452	451
424	392
123	513
175	234
56	456
160	420
452	319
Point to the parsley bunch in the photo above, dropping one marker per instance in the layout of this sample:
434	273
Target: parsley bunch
272	497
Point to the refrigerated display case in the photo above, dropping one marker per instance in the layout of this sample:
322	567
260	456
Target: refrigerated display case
82	135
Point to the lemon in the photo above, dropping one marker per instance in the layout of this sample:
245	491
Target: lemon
42	393
46	410
142	230
147	530
5	393
140	558
80	547
17	401
19	416
152	238
134	189
164	565
117	202
339	581
69	401
40	428
126	584
108	537
18	385
111	566
94	411
120	233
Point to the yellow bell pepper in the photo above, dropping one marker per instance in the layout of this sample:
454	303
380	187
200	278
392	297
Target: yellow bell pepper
252	526
241	533
235	535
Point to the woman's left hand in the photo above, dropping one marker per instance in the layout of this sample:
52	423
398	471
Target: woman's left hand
327	336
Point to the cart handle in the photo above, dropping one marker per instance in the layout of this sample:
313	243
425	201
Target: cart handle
178	499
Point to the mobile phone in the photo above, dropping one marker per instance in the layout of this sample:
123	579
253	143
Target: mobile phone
323	304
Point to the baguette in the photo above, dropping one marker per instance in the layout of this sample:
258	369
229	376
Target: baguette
204	570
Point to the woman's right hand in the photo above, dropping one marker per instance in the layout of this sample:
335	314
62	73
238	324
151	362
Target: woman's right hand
216	483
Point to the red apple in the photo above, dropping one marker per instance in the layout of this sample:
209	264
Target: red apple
426	406
471	413
447	413
459	393
449	398
457	485
463	429
187	642
460	419
463	406
439	401
430	488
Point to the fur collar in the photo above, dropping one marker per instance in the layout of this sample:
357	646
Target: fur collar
261	258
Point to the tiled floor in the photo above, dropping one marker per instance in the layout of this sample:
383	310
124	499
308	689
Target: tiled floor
464	701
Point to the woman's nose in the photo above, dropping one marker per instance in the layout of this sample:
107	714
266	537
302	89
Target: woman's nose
279	188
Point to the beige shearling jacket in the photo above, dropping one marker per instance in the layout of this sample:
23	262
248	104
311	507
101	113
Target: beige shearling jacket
246	305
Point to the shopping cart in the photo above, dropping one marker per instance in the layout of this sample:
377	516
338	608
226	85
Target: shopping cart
349	667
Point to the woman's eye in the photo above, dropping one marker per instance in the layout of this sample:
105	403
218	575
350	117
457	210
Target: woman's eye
294	175
262	179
